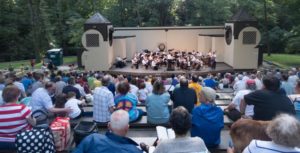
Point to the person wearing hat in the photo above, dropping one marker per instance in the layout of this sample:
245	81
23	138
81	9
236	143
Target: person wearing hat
207	119
233	109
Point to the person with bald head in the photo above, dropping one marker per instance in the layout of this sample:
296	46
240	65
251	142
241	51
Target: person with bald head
114	141
184	96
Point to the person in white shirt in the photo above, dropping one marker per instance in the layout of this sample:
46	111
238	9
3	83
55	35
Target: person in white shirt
236	101
73	104
148	84
133	88
239	84
293	78
142	92
284	132
81	89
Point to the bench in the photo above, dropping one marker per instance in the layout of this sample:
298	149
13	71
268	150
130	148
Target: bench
222	102
225	90
224	96
142	123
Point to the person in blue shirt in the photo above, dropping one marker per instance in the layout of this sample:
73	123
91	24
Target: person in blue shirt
207	119
157	104
27	81
210	82
114	141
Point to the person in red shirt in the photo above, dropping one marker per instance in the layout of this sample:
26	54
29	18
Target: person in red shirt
14	117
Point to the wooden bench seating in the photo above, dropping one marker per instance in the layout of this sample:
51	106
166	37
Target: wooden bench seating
142	123
222	102
224	96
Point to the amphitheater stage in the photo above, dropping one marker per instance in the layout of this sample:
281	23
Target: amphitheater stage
162	71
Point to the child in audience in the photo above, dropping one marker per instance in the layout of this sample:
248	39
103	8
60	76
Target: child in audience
60	102
73	104
142	92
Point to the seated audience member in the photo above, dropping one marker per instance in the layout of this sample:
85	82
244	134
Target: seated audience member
287	86
59	85
70	87
269	101
157	104
210	82
114	141
207	120
233	109
103	102
240	84
284	132
14	117
127	101
184	96
73	104
60	101
243	131
295	98
180	121
142	92
41	100
196	86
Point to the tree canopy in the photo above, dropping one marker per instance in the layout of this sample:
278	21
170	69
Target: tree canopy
29	27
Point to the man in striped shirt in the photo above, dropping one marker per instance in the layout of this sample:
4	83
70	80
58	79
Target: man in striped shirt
14	117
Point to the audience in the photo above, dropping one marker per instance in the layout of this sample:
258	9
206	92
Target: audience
114	141
70	88
59	85
14	117
284	132
196	86
157	104
295	98
184	96
142	92
127	101
269	101
233	109
73	104
180	121
103	102
287	86
207	120
41	100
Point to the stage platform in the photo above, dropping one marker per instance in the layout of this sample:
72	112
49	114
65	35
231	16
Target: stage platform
162	71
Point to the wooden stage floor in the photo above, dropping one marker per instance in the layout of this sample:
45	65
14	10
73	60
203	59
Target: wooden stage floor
127	70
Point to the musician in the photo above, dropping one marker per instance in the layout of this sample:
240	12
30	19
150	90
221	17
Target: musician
135	61
145	62
154	64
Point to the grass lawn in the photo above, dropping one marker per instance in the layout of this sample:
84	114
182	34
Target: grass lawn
284	60
17	64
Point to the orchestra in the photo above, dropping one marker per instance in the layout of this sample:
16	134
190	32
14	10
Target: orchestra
180	59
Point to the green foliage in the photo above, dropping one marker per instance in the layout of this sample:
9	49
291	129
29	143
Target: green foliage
29	27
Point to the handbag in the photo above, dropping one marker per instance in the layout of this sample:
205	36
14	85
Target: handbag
233	114
36	140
